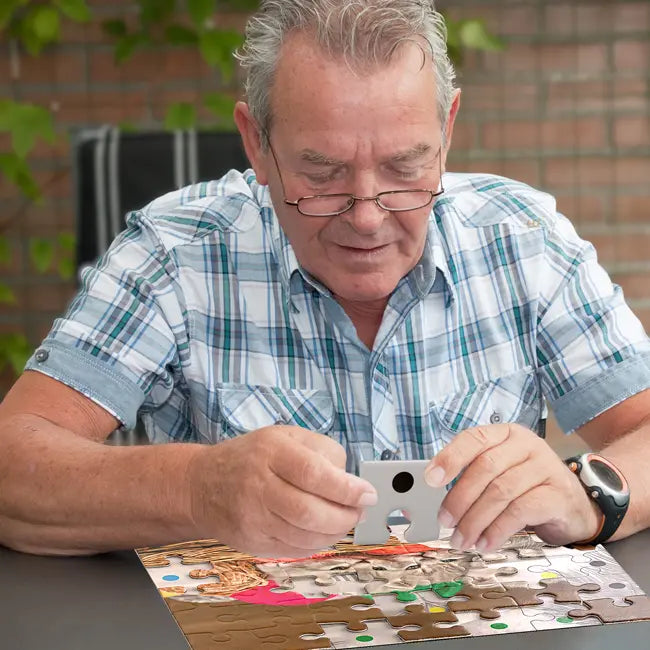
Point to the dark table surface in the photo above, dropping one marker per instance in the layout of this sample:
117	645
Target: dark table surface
108	601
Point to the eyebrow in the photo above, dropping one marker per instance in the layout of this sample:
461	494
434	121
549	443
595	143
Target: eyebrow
408	155
411	154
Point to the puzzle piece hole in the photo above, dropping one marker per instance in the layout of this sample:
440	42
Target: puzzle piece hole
403	482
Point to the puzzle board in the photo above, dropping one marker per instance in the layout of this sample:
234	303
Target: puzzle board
352	597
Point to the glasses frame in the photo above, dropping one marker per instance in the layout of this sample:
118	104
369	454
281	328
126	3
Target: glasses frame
352	198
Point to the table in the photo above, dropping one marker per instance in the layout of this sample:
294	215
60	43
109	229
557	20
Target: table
108	601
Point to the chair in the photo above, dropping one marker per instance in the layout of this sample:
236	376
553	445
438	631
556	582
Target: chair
116	172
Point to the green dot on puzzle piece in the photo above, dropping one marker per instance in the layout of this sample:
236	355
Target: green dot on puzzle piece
405	596
365	638
448	589
564	619
499	626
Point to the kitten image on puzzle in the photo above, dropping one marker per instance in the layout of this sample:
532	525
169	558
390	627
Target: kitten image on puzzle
400	485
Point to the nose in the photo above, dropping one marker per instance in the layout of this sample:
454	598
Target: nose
365	216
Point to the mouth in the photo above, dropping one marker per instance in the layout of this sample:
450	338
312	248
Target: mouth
364	249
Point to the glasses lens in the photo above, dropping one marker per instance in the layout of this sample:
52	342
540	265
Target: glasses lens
321	206
405	200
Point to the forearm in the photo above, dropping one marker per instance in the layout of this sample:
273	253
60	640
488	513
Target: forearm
63	494
630	454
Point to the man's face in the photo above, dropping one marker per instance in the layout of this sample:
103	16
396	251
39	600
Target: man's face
334	131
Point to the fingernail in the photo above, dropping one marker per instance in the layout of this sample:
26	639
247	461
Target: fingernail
435	477
481	545
445	518
456	540
367	499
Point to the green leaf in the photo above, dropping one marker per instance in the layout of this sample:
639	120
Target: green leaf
66	268
66	241
217	46
74	9
221	105
201	10
474	35
127	45
240	5
180	116
7	296
45	23
115	28
5	251
155	11
41	252
7	10
16	350
26	122
18	172
180	35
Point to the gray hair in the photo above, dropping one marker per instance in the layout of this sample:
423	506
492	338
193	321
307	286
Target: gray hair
364	33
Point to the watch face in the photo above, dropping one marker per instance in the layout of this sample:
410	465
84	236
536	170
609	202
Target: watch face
608	476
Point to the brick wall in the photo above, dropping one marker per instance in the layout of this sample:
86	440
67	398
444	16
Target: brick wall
565	107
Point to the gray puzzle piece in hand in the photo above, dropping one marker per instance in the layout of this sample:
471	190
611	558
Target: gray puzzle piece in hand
400	486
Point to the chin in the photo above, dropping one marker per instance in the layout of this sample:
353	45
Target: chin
366	290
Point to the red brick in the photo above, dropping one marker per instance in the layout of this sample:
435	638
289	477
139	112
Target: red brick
632	208
636	286
580	57
632	131
521	170
632	171
583	208
579	172
549	134
621	247
479	97
55	66
631	55
464	136
632	17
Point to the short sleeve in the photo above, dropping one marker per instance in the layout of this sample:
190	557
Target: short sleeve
121	340
592	351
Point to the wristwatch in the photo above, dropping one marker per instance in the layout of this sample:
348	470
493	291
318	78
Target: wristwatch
605	484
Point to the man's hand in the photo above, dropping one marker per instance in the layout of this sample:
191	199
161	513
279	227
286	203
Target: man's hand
280	491
511	480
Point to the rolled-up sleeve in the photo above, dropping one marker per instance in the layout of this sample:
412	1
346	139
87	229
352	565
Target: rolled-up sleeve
119	341
592	351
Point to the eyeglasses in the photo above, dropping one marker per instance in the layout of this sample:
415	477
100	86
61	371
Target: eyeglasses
331	205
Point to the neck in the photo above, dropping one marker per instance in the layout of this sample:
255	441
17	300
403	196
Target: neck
366	317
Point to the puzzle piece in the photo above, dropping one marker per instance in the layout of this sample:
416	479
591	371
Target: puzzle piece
477	602
240	626
605	609
233	577
428	622
564	592
520	592
322	570
400	485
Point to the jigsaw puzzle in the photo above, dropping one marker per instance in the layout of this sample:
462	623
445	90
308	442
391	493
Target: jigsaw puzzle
355	596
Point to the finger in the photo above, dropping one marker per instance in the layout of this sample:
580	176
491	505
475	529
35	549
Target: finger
308	471
321	444
306	540
462	450
476	478
530	509
308	512
497	498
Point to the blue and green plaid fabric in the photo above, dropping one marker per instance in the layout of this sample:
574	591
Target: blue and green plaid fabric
200	320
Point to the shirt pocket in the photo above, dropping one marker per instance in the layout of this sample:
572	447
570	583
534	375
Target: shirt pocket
244	408
513	398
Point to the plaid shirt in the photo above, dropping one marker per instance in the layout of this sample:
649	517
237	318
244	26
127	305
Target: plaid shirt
200	320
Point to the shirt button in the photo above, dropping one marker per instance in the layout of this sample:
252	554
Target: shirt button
495	418
41	355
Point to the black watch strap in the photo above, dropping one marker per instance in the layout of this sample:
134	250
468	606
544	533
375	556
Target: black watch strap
613	506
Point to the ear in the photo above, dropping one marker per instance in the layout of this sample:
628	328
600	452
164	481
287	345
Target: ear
250	136
451	120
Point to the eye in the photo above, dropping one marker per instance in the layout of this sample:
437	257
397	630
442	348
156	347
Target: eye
407	174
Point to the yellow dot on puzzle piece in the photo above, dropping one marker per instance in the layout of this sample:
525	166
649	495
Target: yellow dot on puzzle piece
167	594
549	574
435	610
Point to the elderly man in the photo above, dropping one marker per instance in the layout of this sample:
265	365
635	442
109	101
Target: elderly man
342	301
